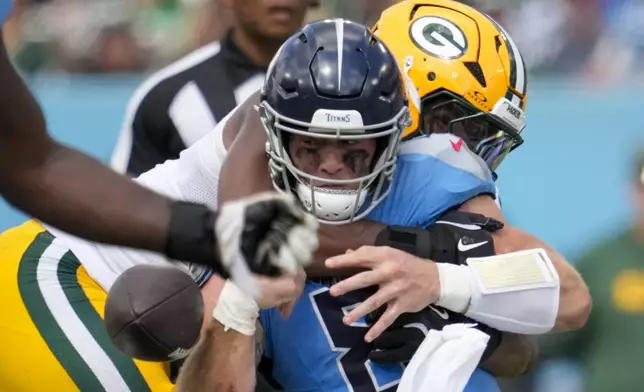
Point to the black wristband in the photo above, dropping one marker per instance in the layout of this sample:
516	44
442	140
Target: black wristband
413	240
192	237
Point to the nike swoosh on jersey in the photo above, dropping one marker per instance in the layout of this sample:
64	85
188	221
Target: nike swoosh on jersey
464	248
461	225
441	313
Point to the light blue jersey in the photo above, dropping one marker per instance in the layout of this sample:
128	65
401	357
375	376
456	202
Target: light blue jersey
313	350
432	176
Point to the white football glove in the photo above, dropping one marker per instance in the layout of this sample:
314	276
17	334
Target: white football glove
266	234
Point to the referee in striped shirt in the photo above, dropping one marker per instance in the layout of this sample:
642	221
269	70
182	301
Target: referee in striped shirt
179	104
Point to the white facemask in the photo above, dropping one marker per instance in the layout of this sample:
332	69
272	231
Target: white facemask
331	204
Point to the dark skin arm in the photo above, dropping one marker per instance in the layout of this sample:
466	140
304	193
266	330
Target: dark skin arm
64	187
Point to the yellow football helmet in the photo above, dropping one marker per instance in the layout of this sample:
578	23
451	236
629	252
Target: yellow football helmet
465	75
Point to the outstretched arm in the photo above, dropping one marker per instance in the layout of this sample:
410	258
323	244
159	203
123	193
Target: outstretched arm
66	188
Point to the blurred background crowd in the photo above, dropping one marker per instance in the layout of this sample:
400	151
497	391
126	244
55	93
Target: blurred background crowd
574	182
598	40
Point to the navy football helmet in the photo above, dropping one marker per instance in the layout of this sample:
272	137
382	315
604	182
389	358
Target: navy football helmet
334	80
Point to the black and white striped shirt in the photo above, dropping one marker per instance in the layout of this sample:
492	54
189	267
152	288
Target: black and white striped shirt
179	104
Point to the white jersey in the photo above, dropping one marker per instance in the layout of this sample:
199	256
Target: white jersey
194	177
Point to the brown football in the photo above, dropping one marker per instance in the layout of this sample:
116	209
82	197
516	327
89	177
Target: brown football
154	313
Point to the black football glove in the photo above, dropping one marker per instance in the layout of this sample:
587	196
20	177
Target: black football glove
399	342
453	238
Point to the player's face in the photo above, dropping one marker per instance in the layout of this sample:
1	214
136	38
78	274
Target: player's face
471	131
333	159
486	135
273	19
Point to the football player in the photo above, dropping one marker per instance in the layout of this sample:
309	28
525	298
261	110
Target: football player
479	95
345	151
70	190
51	330
44	342
55	285
487	128
194	177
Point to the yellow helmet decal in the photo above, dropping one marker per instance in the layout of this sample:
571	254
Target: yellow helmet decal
446	45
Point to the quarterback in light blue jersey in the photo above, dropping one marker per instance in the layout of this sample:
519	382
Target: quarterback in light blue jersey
313	350
410	184
334	112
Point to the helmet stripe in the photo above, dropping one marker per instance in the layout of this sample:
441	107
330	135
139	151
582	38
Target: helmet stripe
518	76
339	33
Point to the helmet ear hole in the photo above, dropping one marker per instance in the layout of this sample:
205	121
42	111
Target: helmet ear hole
431	76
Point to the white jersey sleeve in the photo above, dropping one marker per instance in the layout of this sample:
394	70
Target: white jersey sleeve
193	177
